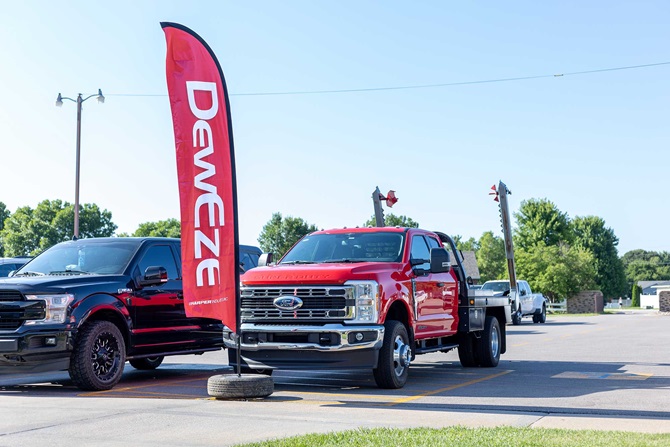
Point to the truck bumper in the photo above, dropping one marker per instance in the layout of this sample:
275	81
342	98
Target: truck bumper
307	347
40	350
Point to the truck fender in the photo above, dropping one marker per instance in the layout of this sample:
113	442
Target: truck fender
93	305
398	308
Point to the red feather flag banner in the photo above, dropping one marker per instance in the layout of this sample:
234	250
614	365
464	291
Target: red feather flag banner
206	173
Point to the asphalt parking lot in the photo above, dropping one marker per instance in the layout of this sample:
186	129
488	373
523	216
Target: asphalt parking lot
603	372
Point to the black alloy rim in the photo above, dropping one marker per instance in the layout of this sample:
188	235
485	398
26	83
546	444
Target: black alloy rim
105	356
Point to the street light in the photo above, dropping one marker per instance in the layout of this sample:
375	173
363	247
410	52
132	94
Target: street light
79	101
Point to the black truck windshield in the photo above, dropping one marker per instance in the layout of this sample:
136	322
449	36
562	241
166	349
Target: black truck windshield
347	247
82	257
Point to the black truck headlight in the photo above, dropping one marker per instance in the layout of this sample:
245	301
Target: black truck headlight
55	308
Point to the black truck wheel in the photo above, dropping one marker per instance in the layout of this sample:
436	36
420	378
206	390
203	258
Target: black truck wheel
490	342
147	363
232	386
98	357
394	357
467	353
543	316
516	318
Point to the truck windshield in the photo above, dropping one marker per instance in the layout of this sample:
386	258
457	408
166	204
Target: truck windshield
347	247
498	286
81	257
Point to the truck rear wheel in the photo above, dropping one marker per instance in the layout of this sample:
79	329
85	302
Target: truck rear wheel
147	363
543	316
467	353
394	357
98	357
489	344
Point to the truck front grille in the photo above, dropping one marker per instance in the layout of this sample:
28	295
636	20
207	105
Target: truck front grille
15	309
9	313
318	303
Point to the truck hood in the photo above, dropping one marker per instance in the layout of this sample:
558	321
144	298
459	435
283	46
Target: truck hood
63	284
336	273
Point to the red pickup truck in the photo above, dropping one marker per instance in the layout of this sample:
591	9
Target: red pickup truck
366	298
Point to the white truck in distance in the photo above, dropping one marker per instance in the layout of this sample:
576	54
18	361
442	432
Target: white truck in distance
530	303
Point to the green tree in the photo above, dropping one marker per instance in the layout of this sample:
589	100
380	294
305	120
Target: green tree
558	271
591	234
540	221
635	302
280	233
391	220
29	232
162	228
491	257
470	245
4	215
642	265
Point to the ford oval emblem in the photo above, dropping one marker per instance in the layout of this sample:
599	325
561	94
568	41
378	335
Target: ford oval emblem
287	303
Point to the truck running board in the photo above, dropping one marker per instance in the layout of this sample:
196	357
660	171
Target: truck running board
426	346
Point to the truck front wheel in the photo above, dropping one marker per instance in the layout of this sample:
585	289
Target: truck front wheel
490	342
394	357
98	357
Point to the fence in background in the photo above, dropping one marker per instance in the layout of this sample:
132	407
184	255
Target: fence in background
561	307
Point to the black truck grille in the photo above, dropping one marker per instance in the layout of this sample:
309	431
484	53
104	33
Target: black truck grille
14	309
318	303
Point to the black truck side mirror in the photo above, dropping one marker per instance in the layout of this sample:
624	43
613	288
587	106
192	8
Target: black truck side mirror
440	261
153	276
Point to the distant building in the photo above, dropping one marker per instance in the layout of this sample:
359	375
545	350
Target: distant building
471	267
649	297
648	286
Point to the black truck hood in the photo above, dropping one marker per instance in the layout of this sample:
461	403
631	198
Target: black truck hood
66	284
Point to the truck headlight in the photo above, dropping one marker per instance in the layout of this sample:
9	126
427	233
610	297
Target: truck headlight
55	307
366	295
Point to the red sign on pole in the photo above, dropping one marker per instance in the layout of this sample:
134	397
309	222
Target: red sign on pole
206	173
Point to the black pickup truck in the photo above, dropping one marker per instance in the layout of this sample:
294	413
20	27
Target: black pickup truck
89	305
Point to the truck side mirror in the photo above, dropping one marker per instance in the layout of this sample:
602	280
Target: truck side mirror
265	259
153	276
440	261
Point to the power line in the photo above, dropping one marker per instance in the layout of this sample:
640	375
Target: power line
422	86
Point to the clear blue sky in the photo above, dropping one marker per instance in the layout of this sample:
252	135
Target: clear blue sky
594	144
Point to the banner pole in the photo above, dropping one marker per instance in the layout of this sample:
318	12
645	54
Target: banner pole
239	356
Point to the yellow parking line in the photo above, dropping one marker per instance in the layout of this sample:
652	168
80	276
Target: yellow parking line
362	396
157	395
138	387
449	388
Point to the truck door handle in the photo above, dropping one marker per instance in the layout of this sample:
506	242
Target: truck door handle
440	284
180	296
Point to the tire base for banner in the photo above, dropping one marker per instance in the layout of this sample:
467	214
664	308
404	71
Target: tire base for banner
244	386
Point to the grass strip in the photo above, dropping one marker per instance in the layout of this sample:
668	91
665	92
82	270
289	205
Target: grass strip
472	437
